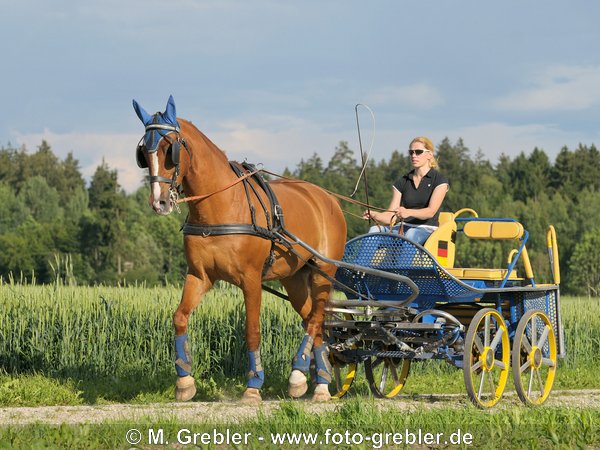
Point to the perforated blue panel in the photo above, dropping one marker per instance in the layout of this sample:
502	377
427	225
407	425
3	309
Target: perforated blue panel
392	253
547	302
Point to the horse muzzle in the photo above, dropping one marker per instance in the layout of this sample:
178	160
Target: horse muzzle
163	207
162	202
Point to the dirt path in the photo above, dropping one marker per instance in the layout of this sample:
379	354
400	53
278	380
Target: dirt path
234	412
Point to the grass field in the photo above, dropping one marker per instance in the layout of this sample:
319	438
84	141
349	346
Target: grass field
64	345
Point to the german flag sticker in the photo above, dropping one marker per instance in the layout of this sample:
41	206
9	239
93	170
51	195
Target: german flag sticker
442	252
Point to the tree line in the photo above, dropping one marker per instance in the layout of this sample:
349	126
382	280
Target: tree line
55	226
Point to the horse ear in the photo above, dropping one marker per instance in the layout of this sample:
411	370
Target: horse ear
170	113
141	113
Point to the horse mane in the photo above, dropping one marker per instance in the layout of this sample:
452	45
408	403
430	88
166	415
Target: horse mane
192	132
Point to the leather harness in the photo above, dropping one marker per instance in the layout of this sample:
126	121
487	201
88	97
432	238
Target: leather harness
273	215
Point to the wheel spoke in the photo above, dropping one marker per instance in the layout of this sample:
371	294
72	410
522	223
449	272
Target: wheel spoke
548	362
496	339
525	343
543	337
383	381
476	366
338	377
525	366
539	377
492	385
499	364
486	335
530	382
481	384
479	344
377	362
395	376
533	330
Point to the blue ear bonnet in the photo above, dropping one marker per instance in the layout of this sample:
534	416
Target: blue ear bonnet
153	136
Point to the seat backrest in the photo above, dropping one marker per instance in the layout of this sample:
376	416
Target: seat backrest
487	229
441	242
502	231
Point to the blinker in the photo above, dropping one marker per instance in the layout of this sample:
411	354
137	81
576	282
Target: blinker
140	157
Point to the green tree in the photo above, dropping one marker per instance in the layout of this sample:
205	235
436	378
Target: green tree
13	210
41	200
585	265
102	228
310	170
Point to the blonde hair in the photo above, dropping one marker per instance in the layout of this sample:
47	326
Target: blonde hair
429	146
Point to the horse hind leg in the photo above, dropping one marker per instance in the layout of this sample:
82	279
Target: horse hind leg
194	288
320	292
309	291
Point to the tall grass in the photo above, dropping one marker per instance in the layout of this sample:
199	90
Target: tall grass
107	331
90	333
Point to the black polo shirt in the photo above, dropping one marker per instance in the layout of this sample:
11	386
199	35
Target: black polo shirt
418	198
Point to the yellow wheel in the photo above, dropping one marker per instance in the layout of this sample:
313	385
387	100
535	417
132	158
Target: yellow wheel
342	378
534	357
386	376
487	358
343	371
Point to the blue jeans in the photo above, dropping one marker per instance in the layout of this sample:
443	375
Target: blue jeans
412	233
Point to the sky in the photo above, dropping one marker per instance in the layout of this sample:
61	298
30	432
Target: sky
274	82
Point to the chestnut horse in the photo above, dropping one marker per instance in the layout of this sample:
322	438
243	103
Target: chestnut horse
233	234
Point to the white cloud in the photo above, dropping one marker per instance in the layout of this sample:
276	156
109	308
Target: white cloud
118	150
495	138
558	88
279	142
419	95
275	142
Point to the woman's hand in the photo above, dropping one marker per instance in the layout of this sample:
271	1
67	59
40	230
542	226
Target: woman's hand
368	215
402	213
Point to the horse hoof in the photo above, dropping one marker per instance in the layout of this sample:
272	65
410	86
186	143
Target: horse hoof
297	385
251	397
185	388
321	393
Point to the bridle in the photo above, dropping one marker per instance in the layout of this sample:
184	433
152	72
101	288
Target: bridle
175	190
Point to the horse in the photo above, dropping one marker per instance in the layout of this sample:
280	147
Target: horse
234	232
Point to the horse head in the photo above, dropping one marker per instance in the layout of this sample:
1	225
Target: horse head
159	151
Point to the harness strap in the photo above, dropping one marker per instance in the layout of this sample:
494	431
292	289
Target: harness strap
230	228
160	179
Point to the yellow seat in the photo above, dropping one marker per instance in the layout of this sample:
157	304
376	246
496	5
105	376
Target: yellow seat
441	242
469	273
493	230
487	274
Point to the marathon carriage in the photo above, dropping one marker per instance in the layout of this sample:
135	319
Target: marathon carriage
406	302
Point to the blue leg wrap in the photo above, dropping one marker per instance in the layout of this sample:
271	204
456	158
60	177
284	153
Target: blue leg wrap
183	358
301	361
322	364
256	375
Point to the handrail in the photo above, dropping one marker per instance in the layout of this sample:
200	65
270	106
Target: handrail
553	254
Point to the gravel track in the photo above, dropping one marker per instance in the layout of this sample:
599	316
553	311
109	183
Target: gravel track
234	412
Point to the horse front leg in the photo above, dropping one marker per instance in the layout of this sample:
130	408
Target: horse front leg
193	289
256	376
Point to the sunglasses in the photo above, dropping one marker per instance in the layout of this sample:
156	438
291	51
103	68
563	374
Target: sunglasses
417	152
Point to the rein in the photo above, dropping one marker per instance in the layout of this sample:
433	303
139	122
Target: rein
224	188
